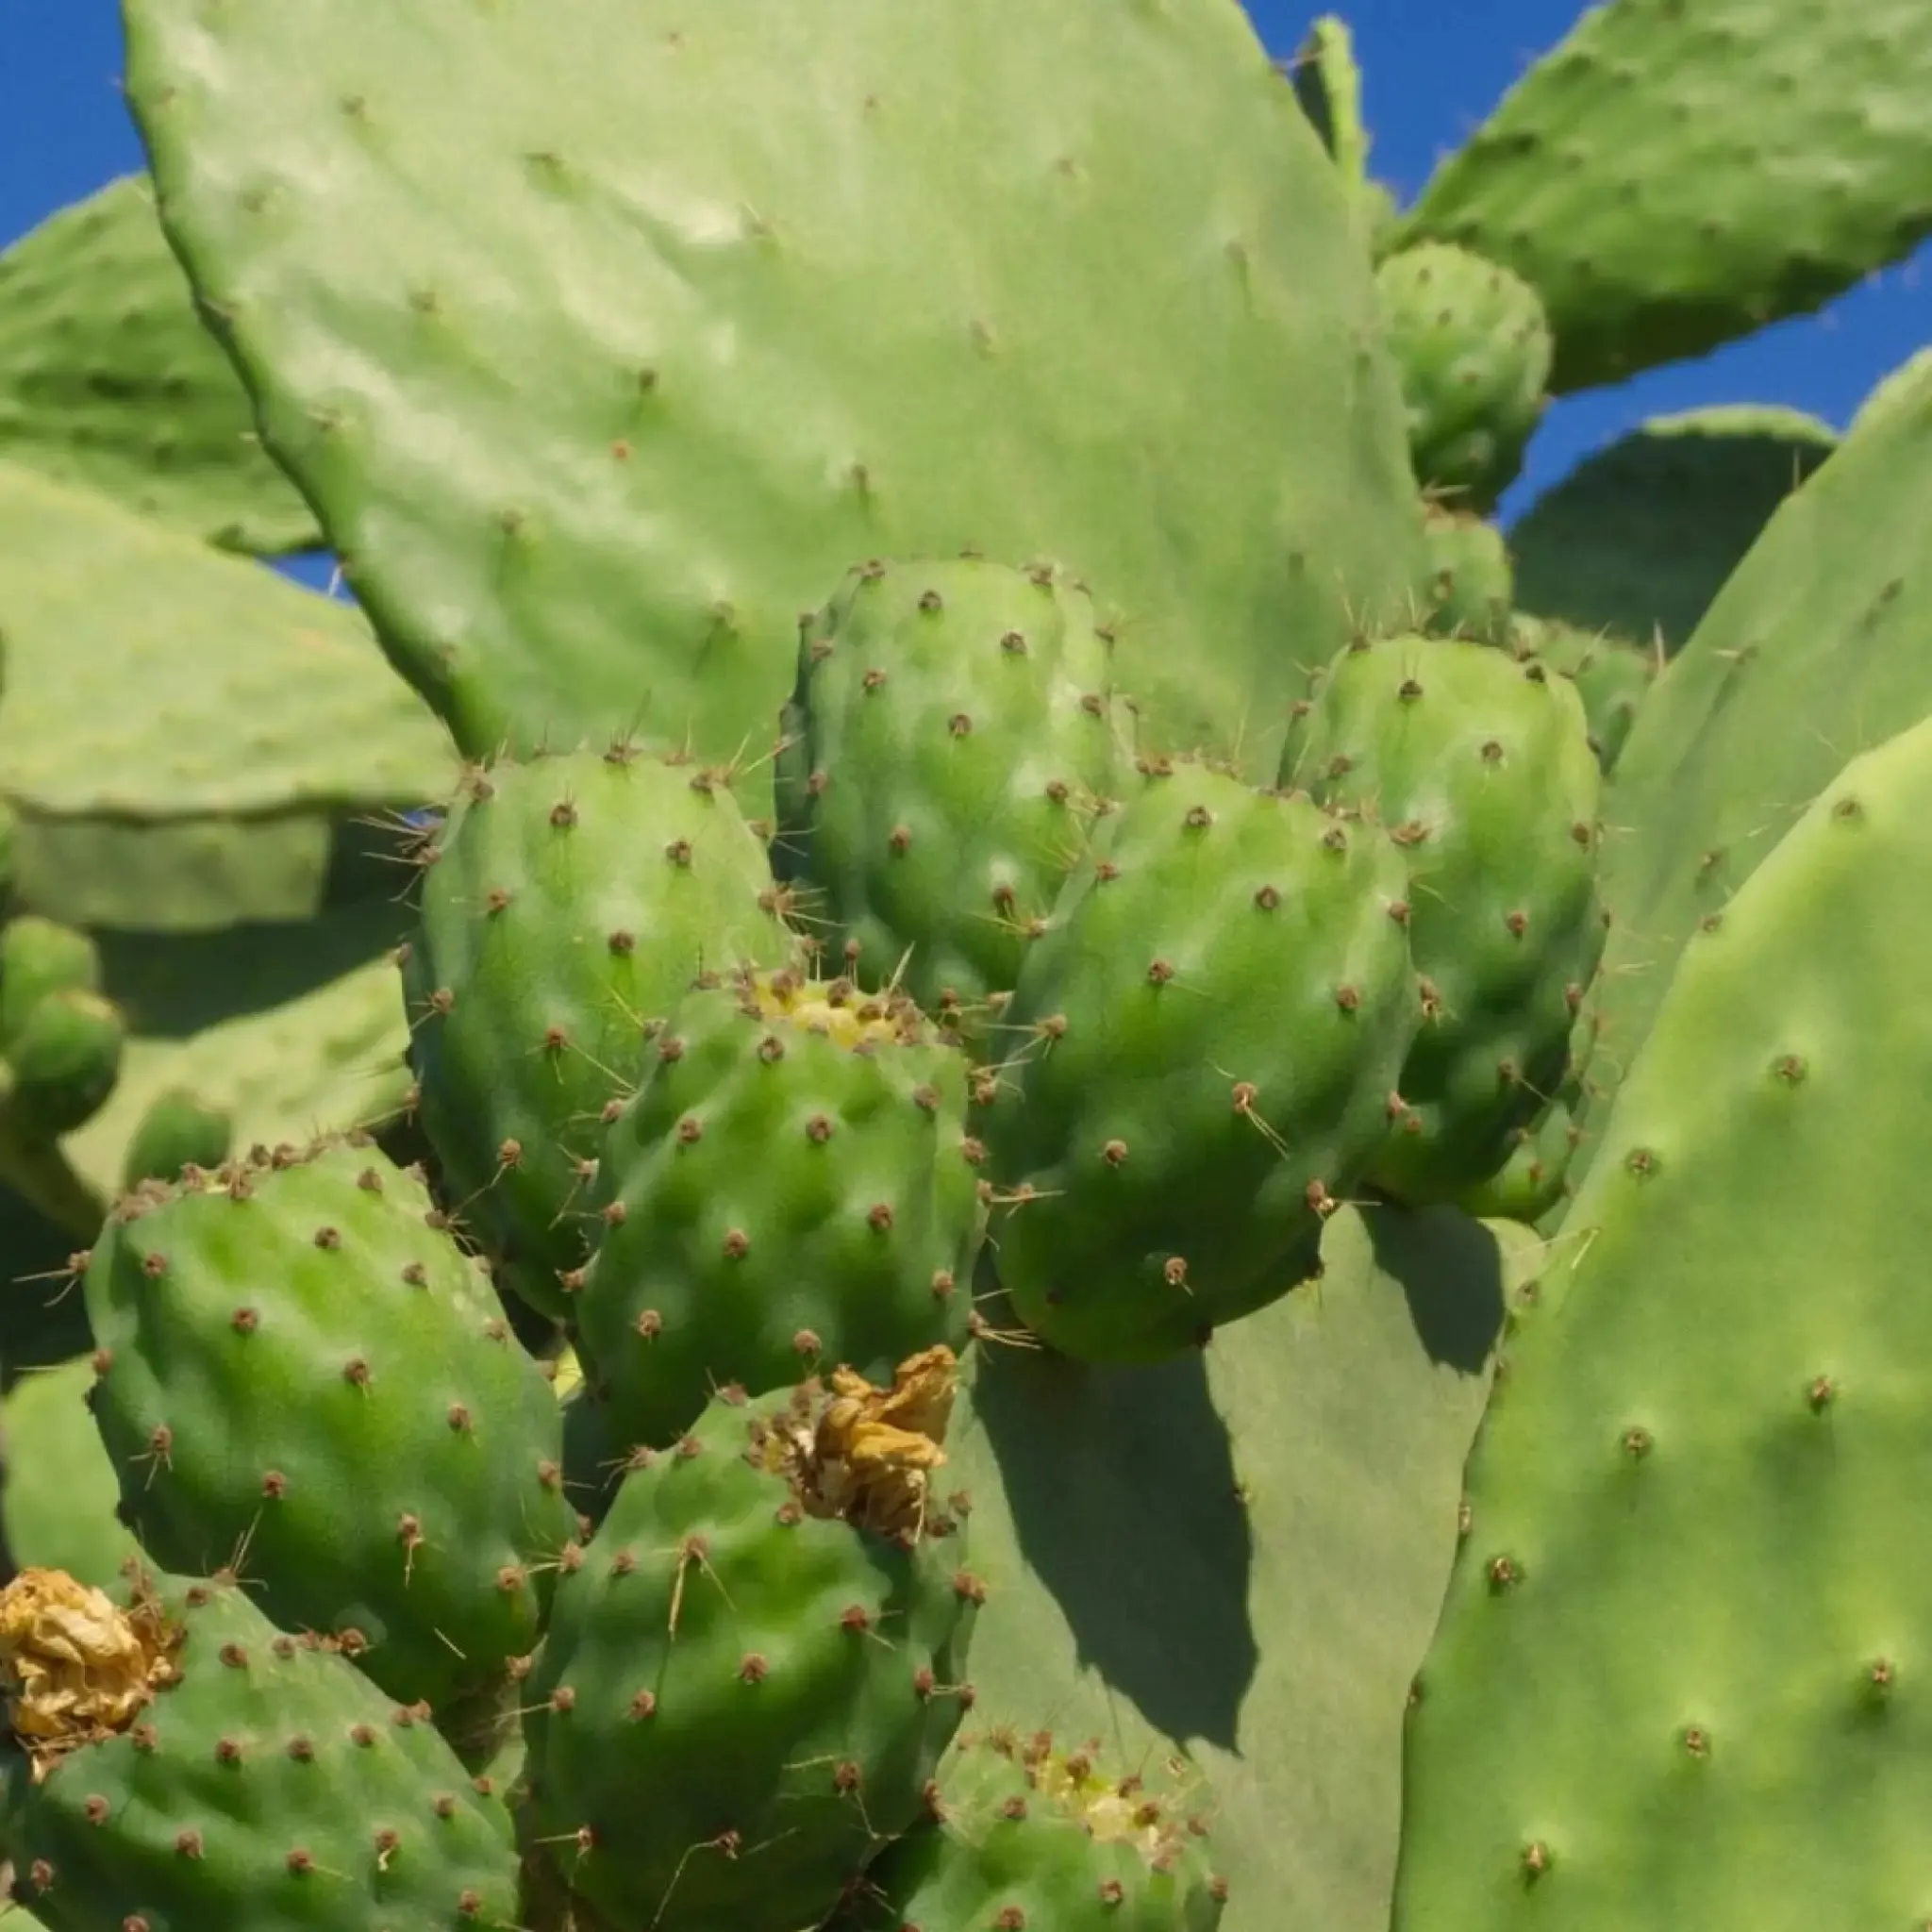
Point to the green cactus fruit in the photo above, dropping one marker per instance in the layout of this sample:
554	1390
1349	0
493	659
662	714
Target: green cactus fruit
1481	773
1641	535
1534	1178
801	345
1612	676
180	1761
38	957
178	1130
791	1187
1472	348
1673	177
301	1376
62	1064
570	901
60	1492
1471	581
753	1668
1678	1679
1029	1833
950	741
1206	1038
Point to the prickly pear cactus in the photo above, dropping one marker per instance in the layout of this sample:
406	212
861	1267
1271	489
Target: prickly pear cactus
1472	580
1472	348
1612	675
792	1188
1205	1040
567	903
1673	1682
301	1376
950	741
179	1760
1479	771
761	1653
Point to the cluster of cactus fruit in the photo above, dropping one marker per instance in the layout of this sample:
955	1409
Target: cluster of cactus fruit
864	1308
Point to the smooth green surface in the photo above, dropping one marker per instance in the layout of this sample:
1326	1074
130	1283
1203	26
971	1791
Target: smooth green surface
110	381
1640	537
1681	172
1912	378
1244	1550
148	676
1678	1680
602	353
60	1492
1816	649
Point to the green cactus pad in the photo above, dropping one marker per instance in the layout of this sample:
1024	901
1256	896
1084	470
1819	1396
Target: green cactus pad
952	740
1481	773
743	1691
1670	178
1815	650
568	902
1641	537
783	329
148	676
229	1774
1536	1176
1471	346
1202	1046
792	1188
1612	676
110	380
59	1492
1031	1831
1471	581
1328	86
301	1376
1679	1678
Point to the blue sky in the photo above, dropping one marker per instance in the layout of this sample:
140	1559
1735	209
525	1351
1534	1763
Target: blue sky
1432	74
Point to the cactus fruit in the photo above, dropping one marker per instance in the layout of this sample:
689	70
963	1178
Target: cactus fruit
62	1064
1027	1832
949	743
302	1376
1674	1680
180	1762
1612	676
569	901
758	1658
178	1130
791	1187
40	957
1480	769
1471	581
1205	1040
1472	345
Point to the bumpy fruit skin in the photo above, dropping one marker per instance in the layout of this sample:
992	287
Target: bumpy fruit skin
1028	1833
1472	582
791	1187
743	1694
1480	771
1473	347
1611	677
572	900
236	1775
949	741
1205	1040
300	1375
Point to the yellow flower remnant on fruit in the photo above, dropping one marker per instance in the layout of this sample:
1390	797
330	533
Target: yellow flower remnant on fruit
73	1666
871	1453
834	1008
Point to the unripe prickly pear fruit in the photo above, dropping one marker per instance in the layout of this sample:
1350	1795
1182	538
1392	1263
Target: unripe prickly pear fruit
1480	771
63	1062
791	1187
1472	348
301	1376
1204	1043
38	957
179	1130
1472	583
181	1762
1612	676
753	1668
1026	1832
570	901
949	743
